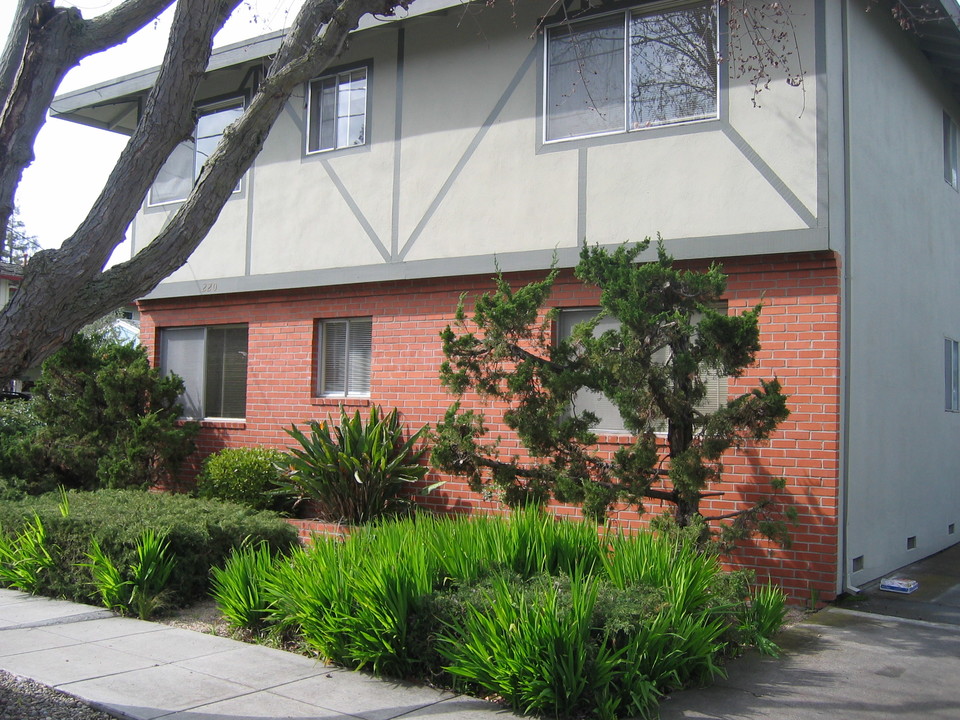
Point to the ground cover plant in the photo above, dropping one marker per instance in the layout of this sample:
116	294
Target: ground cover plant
551	616
199	534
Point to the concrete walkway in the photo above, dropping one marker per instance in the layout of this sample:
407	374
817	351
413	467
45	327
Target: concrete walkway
143	670
837	664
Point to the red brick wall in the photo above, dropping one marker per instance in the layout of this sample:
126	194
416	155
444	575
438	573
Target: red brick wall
799	335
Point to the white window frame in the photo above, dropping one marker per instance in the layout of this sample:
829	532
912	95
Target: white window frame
192	147
356	359
951	152
951	375
186	351
340	80
610	420
626	125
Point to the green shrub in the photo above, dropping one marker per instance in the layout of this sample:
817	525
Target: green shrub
240	587
144	591
355	471
201	534
24	466
541	612
107	418
247	476
25	558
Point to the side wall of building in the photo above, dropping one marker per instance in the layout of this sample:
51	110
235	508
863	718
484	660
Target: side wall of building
800	337
901	267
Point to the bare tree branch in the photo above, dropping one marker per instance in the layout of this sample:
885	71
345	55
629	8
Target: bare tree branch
116	25
64	289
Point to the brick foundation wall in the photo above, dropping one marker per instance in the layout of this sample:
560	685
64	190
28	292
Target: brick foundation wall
799	336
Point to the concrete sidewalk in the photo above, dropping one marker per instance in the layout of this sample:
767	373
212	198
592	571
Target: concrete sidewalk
836	664
143	670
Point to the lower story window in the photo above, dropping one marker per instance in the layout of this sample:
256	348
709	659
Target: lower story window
951	366
609	416
343	357
213	364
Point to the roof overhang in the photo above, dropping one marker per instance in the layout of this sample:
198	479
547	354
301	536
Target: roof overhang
938	38
115	104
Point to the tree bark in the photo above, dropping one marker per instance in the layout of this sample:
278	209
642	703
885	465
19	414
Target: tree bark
65	289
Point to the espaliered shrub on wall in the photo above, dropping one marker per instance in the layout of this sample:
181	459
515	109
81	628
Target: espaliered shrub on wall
543	613
201	534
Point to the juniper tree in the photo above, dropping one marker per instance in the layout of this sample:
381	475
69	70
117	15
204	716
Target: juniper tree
653	367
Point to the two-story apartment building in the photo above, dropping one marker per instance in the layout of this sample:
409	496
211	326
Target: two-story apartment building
462	136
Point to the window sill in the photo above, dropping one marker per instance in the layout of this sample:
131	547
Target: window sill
227	423
338	401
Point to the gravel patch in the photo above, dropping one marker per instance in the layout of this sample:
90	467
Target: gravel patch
22	699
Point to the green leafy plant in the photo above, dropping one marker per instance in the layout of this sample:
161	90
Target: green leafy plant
658	337
143	591
201	534
107	419
762	618
240	586
354	472
244	475
25	558
549	614
114	591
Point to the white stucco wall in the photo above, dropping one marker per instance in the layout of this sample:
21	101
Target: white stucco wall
471	177
902	267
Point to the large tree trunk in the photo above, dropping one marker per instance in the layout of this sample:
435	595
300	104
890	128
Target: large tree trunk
65	289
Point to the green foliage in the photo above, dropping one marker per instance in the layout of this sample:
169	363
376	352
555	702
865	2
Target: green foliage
114	591
548	614
762	618
144	589
244	475
25	558
200	533
239	587
150	573
107	418
24	466
652	367
354	472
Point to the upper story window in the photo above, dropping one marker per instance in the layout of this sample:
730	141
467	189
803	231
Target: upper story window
213	364
951	154
629	71
178	174
337	111
343	357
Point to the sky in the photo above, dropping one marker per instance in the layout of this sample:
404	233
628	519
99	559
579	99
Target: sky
73	161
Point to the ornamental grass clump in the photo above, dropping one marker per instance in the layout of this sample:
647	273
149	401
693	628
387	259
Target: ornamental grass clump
549	615
25	557
353	472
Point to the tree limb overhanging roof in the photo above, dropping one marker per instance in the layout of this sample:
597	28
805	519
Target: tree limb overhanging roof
114	104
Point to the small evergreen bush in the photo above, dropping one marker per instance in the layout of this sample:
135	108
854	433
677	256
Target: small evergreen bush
201	534
24	468
107	418
247	476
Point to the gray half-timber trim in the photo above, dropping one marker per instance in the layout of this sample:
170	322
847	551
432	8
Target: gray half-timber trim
765	243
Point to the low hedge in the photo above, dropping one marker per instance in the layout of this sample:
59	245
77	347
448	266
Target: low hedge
201	534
